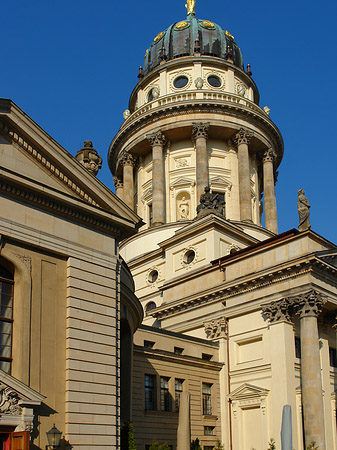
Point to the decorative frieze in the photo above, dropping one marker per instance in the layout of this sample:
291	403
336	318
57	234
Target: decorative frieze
157	138
279	311
216	328
200	129
242	137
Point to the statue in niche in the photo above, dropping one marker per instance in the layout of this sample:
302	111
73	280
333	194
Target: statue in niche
211	203
303	211
184	209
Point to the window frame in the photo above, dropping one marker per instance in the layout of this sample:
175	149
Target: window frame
206	398
4	319
148	388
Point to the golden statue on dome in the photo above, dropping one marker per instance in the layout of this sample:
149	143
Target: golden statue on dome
190	5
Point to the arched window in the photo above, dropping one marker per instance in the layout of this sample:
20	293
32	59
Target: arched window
150	306
6	318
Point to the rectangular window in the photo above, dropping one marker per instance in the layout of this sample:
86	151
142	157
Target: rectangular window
150	214
178	350
332	357
165	398
206	399
206	356
178	389
150	392
6	319
208	431
297	347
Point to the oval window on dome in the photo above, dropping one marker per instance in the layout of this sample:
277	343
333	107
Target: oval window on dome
214	81
180	82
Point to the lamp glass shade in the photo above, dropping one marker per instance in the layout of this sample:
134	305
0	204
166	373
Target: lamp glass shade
54	437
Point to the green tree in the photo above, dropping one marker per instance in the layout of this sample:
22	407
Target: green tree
195	444
271	444
218	445
156	446
131	438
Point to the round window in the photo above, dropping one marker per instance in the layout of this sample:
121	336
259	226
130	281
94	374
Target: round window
180	82
153	276
214	81
189	256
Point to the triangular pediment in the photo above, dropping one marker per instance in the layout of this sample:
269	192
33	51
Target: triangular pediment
16	394
182	182
248	391
220	181
30	153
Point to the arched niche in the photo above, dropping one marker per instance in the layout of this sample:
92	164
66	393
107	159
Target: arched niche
183	206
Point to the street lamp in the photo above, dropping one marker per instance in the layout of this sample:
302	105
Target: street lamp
53	436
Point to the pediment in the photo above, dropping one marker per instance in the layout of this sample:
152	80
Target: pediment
30	153
220	181
246	391
182	182
14	395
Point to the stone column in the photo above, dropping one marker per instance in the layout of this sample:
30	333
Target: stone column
200	135
128	163
308	306
282	357
119	187
242	139
157	141
269	190
184	424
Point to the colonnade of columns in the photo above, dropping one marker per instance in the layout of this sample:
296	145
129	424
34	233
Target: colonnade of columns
307	306
242	139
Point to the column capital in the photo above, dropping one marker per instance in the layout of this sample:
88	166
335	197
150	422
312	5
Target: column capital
200	129
216	328
157	138
117	182
242	137
309	304
269	155
278	311
127	159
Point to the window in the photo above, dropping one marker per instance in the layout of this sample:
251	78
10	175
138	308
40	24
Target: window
150	96
178	389
214	81
297	347
206	399
189	257
332	357
180	82
149	344
178	350
208	431
150	392
6	319
150	214
165	398
153	276
206	356
150	306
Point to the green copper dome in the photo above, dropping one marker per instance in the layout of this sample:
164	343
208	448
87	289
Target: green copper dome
192	36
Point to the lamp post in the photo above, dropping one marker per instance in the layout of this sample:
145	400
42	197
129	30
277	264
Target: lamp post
54	437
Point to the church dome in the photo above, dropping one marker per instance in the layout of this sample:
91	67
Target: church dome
191	36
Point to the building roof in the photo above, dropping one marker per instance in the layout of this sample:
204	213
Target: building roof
184	39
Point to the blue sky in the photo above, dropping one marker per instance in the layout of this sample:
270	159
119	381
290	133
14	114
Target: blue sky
71	66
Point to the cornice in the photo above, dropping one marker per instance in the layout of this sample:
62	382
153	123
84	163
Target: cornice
194	106
250	283
58	203
178	359
48	165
